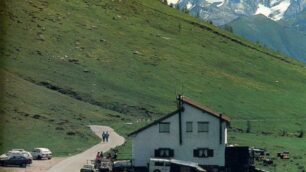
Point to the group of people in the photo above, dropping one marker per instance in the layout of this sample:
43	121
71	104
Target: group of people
99	156
105	136
111	155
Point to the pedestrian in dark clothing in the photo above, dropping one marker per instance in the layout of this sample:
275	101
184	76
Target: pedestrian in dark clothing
103	136
106	136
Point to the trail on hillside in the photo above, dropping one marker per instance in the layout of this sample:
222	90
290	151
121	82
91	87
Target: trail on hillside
75	163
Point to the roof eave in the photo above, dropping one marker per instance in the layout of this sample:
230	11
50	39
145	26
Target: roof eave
153	123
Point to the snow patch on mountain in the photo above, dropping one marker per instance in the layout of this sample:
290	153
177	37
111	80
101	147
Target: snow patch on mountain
263	10
172	2
279	10
224	11
189	5
275	10
214	1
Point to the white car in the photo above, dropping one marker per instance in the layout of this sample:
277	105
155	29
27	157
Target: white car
17	152
41	153
26	154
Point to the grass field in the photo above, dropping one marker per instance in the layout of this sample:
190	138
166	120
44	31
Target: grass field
68	64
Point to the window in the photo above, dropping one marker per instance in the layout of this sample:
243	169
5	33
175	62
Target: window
158	163
164	152
164	127
162	163
203	126
188	126
203	152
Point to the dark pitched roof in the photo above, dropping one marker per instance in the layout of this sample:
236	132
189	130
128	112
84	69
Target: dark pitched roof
188	101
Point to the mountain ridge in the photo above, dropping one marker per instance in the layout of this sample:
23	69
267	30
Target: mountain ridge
290	16
232	9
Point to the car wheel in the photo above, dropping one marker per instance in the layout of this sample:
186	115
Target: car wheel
23	165
49	158
156	170
39	157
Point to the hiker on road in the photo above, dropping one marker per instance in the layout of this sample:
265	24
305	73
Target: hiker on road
106	136
103	136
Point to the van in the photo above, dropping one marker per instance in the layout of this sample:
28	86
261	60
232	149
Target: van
173	165
159	165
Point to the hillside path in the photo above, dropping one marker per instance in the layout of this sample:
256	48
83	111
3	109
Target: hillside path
75	163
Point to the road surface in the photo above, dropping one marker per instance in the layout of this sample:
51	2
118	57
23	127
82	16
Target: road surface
75	163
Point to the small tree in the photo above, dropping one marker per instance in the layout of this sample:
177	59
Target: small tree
210	22
301	134
228	28
185	10
284	133
180	27
164	2
248	130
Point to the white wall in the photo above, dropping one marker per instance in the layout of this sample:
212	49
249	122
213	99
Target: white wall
146	141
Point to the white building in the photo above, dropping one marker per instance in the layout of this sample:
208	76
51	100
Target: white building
191	133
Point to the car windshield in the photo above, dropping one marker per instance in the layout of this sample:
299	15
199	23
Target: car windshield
26	154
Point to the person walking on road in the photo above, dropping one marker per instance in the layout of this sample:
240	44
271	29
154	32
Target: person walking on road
106	136
103	136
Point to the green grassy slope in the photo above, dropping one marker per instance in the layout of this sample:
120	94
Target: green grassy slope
116	62
35	116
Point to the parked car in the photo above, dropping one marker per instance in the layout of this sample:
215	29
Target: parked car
25	153
267	162
88	168
41	153
17	152
283	155
122	165
14	161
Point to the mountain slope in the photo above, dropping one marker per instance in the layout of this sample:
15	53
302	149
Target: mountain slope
121	62
287	19
272	34
297	22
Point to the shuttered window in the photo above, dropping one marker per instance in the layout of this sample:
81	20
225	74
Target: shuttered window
164	153
189	127
164	127
203	152
203	126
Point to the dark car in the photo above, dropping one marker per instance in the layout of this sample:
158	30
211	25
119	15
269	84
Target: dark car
15	161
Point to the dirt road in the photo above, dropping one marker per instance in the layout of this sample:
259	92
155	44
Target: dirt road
73	163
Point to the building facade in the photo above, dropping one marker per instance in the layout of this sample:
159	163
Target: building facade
191	133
